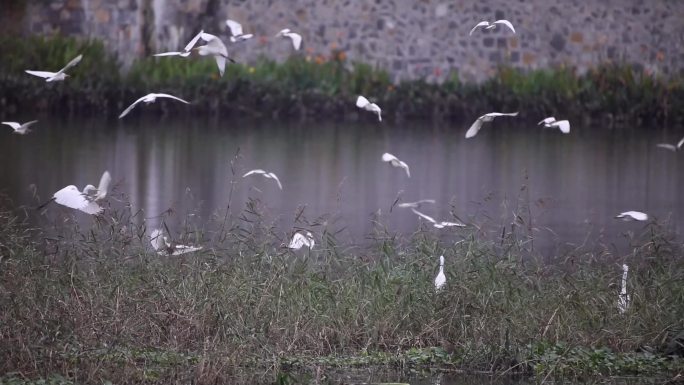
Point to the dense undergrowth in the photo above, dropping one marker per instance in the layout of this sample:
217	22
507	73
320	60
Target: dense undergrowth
88	300
305	87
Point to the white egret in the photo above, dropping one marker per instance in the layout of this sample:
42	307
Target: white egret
672	147
147	99
440	279
295	37
265	174
416	204
236	31
394	161
85	201
551	122
624	298
215	48
299	240
19	128
632	216
473	130
489	25
56	76
439	225
186	51
162	245
362	102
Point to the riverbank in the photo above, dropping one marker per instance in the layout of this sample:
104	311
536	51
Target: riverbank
306	87
90	301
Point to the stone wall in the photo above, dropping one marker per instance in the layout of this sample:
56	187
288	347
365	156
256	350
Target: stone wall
410	38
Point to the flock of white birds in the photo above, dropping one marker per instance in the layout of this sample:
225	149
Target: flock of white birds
87	200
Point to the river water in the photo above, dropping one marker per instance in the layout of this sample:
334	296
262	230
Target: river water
570	186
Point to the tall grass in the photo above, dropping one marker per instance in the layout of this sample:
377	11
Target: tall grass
94	303
304	86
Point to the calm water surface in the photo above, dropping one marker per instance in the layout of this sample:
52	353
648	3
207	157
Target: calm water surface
573	184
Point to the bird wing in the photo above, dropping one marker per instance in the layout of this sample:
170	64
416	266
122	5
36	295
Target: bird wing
72	63
478	25
274	176
637	215
157	240
428	218
127	110
387	157
282	32
235	27
362	102
667	146
298	240
563	125
296	39
255	171
474	128
506	23
103	187
168	54
184	249
28	124
548	120
448	224
192	42
171	96
680	143
496	114
14	125
70	197
42	74
221	63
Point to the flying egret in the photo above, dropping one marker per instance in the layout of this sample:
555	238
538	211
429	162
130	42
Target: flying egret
440	279
56	76
236	31
672	147
215	48
624	298
362	102
632	216
394	161
19	128
162	245
147	99
416	204
489	25
186	51
551	122
265	174
85	201
472	131
295	37
439	225
299	240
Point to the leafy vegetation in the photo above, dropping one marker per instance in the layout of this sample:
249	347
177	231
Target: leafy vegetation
306	86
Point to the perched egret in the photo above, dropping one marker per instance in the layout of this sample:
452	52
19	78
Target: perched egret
489	25
416	204
186	51
672	147
624	298
440	279
162	245
394	161
56	76
295	37
236	31
632	216
439	225
215	48
473	130
362	102
19	128
85	201
299	240
147	99
551	122
265	174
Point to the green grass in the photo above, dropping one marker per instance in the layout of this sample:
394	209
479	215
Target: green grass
307	87
94	303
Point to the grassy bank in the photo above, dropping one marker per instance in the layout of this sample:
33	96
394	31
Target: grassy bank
92	304
311	87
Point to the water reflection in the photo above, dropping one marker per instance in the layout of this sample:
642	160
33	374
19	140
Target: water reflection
574	184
